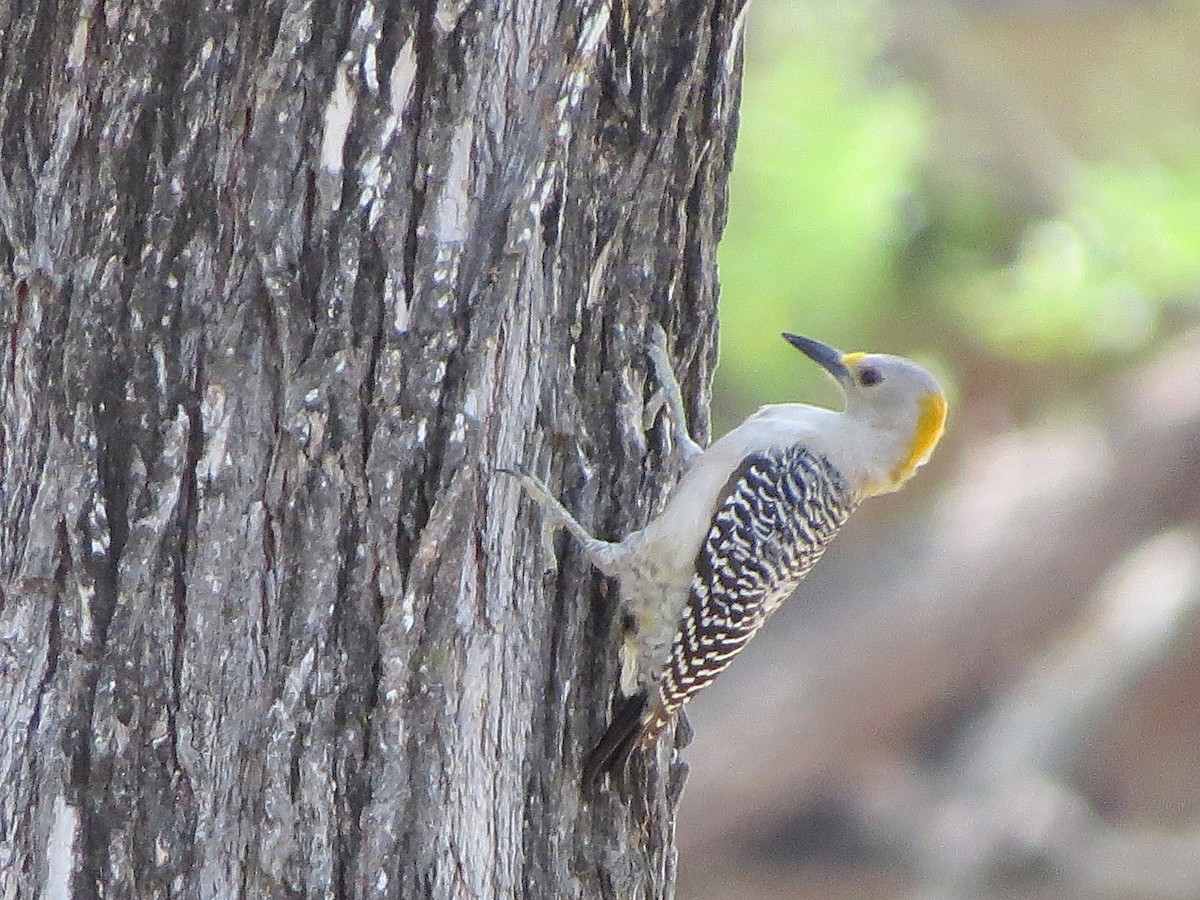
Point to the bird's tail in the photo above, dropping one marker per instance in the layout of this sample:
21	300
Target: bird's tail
623	734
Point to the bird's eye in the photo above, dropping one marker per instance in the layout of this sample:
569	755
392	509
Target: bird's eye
868	376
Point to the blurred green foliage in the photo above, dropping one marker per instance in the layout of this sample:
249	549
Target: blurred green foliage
1095	279
849	222
824	160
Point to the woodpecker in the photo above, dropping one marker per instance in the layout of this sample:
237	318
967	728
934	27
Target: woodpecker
749	518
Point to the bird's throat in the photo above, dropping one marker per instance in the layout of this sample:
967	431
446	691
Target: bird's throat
931	422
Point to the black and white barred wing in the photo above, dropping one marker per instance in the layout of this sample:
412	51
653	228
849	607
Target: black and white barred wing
779	513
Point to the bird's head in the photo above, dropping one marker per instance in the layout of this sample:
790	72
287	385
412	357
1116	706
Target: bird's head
897	410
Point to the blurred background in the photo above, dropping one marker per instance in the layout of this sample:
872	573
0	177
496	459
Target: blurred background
990	687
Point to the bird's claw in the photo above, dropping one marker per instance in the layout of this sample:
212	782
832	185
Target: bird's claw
552	510
669	394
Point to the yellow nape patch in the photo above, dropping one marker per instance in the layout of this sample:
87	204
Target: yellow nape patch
931	422
849	360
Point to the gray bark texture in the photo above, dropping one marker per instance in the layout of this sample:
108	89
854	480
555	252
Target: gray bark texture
282	283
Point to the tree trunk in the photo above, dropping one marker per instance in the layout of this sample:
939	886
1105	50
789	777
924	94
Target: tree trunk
282	285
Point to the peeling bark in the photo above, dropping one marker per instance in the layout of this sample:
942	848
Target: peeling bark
280	286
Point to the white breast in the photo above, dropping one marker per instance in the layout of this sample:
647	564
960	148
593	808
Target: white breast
664	552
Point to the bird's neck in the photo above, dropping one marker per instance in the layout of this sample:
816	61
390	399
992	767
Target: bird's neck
877	456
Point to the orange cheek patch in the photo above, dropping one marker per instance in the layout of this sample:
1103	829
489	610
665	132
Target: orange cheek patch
931	422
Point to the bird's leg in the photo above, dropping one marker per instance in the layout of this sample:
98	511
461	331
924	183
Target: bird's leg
670	394
610	558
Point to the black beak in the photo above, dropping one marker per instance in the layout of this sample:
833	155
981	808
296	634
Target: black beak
823	355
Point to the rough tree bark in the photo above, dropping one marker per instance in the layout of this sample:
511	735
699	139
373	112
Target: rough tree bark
282	283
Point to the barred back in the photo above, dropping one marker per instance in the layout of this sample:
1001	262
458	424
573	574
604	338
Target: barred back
780	511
